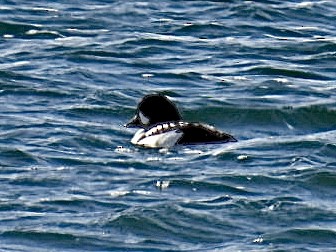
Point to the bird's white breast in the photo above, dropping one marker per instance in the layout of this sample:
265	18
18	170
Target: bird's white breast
156	139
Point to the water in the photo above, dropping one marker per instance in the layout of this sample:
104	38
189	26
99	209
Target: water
71	74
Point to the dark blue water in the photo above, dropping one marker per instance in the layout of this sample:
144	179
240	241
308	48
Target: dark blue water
71	74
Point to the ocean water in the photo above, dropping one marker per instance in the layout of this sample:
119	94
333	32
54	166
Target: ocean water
71	74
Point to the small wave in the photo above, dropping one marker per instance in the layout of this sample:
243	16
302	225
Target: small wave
16	157
313	119
21	90
172	223
43	34
91	110
37	235
14	29
286	73
298	238
18	30
203	186
320	140
323	182
34	238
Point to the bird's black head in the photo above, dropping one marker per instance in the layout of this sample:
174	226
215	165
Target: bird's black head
154	109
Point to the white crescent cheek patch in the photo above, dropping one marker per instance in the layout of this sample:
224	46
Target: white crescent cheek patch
144	120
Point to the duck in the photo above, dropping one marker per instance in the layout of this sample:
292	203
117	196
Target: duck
161	126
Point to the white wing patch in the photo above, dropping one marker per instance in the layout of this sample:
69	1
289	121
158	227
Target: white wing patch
161	140
137	136
160	136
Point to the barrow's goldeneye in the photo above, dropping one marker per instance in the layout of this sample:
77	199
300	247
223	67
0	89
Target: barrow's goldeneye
162	126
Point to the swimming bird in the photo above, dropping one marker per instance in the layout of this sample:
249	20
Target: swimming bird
162	126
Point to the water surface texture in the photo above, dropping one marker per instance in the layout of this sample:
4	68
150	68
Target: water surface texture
71	74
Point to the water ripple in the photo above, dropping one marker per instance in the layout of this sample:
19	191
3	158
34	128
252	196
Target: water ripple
70	77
